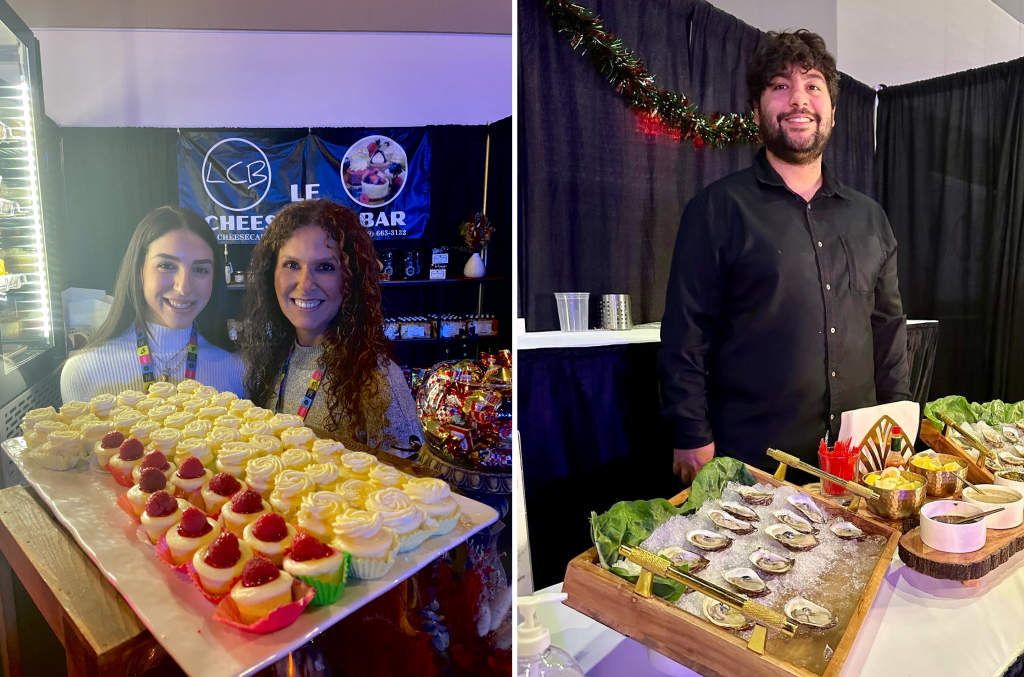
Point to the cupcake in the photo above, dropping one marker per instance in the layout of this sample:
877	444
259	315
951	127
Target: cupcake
193	406
219	564
161	513
120	410
269	536
157	460
298	436
150	481
205	392
243	509
211	413
178	420
178	400
130	398
260	473
162	389
219	491
191	476
384	476
258	414
433	497
62	450
125	422
194	531
164	439
328	451
324	474
102	404
233	457
196	447
318	564
284	421
263	589
297	459
355	492
372	546
228	421
220	435
128	456
188	386
222	399
250	429
142	429
318	511
35	416
356	465
267	444
161	412
148	404
197	428
402	517
289	488
93	431
40	433
239	407
107	447
72	410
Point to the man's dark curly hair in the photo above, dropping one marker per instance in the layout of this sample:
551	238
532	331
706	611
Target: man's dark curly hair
778	51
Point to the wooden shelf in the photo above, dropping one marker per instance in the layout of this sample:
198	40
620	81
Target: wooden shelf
235	287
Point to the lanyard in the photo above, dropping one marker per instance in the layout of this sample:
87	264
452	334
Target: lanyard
146	360
314	386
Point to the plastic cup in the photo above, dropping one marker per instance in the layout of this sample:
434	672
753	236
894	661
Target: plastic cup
842	466
573	310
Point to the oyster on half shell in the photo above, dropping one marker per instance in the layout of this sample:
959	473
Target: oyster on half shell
708	540
724	616
680	557
730	523
798	522
846	530
771	563
806	612
746	581
739	511
791	538
755	496
806	505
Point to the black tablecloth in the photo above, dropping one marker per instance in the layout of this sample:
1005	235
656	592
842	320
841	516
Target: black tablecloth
592	435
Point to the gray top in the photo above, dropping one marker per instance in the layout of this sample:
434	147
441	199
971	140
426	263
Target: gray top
401	412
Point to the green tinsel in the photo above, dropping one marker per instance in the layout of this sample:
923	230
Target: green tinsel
659	109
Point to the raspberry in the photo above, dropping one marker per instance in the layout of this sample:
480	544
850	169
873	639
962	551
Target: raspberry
161	504
223	484
224	551
259	571
247	502
269	528
131	449
305	547
155	459
191	468
112	440
152	480
193	523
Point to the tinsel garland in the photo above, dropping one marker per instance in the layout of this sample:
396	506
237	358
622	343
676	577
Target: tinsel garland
658	110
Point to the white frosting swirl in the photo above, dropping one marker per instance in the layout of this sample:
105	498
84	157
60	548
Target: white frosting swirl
322	506
239	407
261	471
327	450
358	462
35	416
72	410
222	399
165	439
188	386
258	414
283	421
205	392
125	422
178	420
386	476
93	431
161	412
228	421
178	400
197	428
268	444
297	459
354	492
102	404
211	413
193	406
233	457
324	474
142	430
162	389
299	436
363	534
291	484
131	397
399	513
251	429
193	446
146	405
220	436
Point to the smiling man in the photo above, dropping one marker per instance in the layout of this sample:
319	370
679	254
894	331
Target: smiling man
783	309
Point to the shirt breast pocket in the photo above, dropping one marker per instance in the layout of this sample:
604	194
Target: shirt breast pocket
864	262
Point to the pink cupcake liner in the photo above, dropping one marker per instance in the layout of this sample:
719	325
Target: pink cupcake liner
163	553
281	617
194	577
124	504
120	477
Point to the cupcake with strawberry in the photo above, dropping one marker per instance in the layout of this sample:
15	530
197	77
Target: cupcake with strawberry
191	476
243	509
318	564
262	589
269	536
162	512
154	459
221	488
219	564
194	531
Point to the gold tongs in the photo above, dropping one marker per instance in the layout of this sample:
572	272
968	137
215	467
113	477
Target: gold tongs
794	462
971	440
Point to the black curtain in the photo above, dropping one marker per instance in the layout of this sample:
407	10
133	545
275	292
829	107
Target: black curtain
949	164
600	200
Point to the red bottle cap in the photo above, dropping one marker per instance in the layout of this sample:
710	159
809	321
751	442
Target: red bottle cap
896	430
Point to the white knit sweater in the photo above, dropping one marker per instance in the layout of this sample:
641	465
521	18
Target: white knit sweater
114	366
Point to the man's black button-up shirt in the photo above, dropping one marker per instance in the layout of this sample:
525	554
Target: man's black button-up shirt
781	314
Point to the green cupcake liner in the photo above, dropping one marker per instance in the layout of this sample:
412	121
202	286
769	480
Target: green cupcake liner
328	593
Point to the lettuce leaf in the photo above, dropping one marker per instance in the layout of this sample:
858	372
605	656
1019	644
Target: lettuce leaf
954	406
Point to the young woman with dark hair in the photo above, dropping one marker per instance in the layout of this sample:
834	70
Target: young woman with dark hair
313	338
161	302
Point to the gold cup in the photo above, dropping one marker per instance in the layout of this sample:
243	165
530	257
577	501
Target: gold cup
942	483
898	504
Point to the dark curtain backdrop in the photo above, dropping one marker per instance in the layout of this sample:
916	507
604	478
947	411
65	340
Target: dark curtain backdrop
950	161
116	176
600	201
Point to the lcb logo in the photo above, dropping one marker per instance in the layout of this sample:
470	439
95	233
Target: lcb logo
236	174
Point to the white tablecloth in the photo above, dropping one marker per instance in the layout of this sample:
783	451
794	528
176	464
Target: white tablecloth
917	627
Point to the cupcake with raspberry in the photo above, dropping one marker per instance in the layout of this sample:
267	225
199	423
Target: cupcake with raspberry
261	473
233	457
219	564
258	414
195	447
262	589
107	447
372	545
269	536
130	398
196	429
355	492
433	497
324	568
161	513
178	420
128	456
150	481
318	512
188	386
297	459
243	509
154	459
300	437
356	465
162	389
194	531
191	476
219	491
328	451
290	487
267	444
401	516
251	429
384	476
324	474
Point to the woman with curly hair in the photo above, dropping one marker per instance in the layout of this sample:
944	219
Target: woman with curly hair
313	338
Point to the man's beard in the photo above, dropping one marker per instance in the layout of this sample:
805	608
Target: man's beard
789	150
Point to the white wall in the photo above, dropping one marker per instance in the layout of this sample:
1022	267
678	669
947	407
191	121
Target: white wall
153	78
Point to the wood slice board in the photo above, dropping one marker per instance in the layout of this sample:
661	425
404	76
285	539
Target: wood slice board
695	642
933	437
968	567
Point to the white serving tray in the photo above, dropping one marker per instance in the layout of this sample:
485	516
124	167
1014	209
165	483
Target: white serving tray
83	500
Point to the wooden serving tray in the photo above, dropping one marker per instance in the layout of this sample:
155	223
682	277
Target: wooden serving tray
933	437
695	642
969	567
